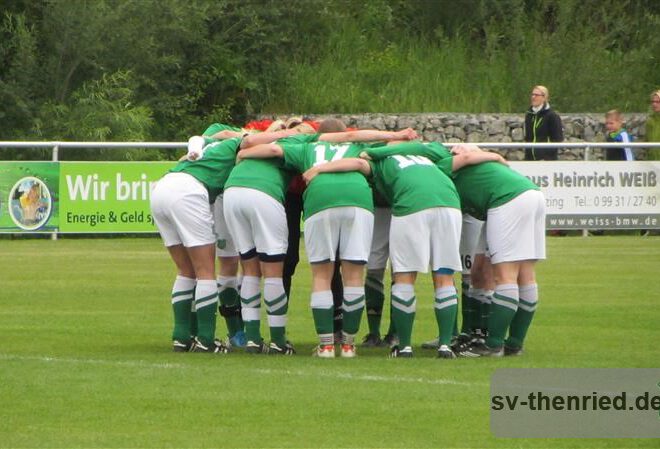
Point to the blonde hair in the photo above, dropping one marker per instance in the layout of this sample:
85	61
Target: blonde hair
292	122
544	90
615	114
655	94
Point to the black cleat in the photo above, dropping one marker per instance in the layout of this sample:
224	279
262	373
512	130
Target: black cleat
256	348
372	341
397	352
275	349
481	350
509	351
181	346
218	347
461	342
391	340
444	352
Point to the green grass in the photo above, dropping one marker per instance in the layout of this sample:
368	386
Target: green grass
86	358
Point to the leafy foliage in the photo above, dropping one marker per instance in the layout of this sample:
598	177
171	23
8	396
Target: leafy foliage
165	69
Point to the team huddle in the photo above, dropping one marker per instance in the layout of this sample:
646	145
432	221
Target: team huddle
370	196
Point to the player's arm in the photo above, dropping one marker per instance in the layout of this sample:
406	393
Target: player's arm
341	165
266	137
263	151
475	157
406	149
226	134
368	135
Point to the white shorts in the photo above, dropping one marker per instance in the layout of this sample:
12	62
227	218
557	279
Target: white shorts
257	223
380	244
224	246
470	233
181	210
516	230
430	236
347	228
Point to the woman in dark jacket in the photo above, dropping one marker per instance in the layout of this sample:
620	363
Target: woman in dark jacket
542	124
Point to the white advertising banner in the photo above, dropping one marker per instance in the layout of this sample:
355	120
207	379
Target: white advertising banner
597	195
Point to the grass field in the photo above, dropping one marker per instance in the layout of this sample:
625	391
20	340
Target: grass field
86	360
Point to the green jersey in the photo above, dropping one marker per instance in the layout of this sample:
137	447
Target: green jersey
217	127
413	183
481	186
214	167
265	175
329	190
488	185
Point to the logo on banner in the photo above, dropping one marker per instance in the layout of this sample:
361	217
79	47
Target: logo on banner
30	203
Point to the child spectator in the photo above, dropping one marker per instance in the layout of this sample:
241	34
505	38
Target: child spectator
617	133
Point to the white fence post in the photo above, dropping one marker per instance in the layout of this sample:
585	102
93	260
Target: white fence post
56	155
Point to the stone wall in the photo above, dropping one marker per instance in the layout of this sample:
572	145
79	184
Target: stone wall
457	127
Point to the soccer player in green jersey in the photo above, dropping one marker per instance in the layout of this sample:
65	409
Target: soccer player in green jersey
338	214
425	230
514	210
423	201
181	204
181	207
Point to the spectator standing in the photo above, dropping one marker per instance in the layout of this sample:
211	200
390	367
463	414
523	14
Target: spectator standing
653	125
542	124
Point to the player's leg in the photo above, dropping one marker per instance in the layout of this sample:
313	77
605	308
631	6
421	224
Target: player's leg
470	235
184	204
528	288
355	236
481	291
250	297
323	307
410	252
238	205
321	241
269	227
227	280
183	293
183	289
276	302
404	306
293	206
337	288
206	296
511	231
528	300
445	261
374	288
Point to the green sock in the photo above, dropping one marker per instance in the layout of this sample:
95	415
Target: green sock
403	312
353	306
206	303
374	298
470	311
323	314
446	307
251	308
502	310
523	317
183	292
230	304
484	300
277	305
